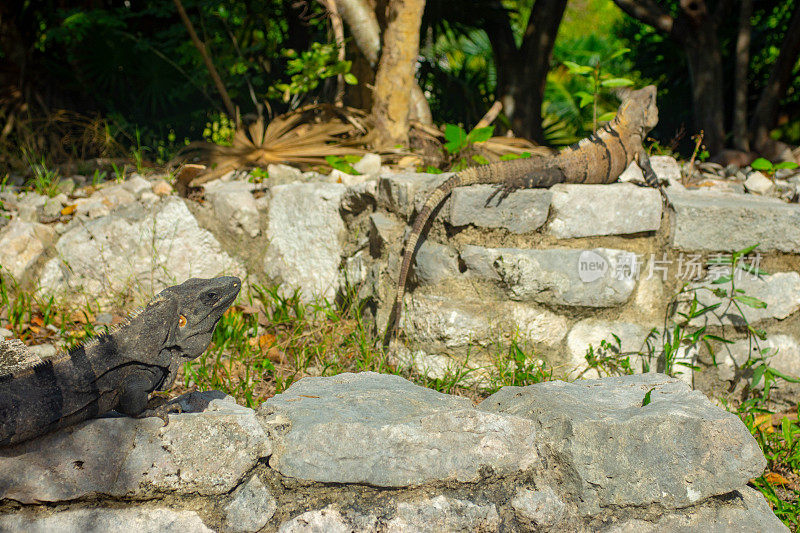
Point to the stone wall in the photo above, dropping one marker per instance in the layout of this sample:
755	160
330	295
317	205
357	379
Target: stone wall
553	270
375	453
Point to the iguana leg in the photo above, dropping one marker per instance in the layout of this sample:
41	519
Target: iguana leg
537	179
134	393
651	179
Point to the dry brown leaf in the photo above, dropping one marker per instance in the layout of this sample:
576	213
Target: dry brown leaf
773	478
68	210
764	422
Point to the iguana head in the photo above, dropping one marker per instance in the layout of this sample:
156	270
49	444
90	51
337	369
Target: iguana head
638	112
190	311
199	304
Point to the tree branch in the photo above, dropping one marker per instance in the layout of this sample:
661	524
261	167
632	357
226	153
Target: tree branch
649	12
226	99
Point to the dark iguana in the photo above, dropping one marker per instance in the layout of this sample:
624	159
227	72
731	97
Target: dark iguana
118	370
600	158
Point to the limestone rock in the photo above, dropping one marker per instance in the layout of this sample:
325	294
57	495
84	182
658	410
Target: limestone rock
780	291
537	508
103	520
384	431
441	514
136	185
624	453
399	193
329	520
758	183
705	221
455	322
610	209
205	452
745	511
591	332
141	252
383	231
522	211
370	164
251	507
783	355
435	262
235	207
305	232
281	174
586	278
22	244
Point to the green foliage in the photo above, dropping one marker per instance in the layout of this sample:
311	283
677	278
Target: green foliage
766	166
308	69
44	180
219	130
458	143
343	163
578	88
258	175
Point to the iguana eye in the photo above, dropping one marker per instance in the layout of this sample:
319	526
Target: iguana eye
181	321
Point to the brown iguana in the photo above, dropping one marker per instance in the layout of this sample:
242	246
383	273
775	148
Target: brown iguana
117	370
600	158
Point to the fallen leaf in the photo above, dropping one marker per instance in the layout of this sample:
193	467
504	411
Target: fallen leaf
68	210
764	422
37	321
773	478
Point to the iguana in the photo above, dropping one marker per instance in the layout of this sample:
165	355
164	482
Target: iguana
600	158
117	370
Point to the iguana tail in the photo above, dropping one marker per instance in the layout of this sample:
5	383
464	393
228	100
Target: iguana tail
491	173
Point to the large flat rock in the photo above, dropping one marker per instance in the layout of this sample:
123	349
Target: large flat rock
745	511
523	211
582	278
205	452
610	209
382	430
676	451
728	222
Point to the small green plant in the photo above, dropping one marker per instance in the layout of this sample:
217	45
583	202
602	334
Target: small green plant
258	175
45	180
608	359
119	172
766	166
516	368
99	177
137	152
344	163
598	81
458	142
307	69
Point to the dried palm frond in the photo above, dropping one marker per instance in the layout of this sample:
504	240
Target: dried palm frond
294	138
495	147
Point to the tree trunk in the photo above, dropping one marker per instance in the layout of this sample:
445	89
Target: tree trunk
705	70
363	25
695	29
522	72
740	138
395	74
765	115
